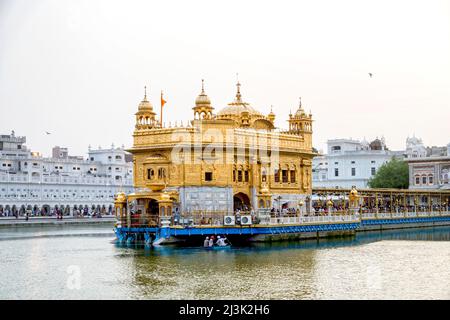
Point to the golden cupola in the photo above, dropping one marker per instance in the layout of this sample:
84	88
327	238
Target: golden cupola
145	117
271	116
203	108
300	122
243	114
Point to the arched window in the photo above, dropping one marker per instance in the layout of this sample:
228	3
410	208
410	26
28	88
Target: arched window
424	179
276	175
150	174
161	173
430	179
261	203
417	178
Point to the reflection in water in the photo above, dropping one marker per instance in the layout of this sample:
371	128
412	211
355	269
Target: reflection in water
405	264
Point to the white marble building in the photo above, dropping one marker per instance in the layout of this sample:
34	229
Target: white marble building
350	163
430	171
31	181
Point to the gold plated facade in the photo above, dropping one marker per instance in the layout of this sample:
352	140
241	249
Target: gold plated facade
234	159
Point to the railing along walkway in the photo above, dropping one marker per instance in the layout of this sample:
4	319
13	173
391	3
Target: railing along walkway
387	215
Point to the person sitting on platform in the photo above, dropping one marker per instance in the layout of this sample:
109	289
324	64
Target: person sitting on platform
206	242
211	241
220	242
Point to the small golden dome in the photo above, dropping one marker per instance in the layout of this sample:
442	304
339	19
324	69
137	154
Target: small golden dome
121	197
354	192
271	115
300	113
329	203
202	98
145	105
264	188
165	196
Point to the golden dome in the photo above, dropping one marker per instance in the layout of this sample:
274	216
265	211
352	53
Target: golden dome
202	98
145	105
120	197
235	108
300	112
165	196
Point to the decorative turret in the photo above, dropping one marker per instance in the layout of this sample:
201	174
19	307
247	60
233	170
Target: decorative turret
271	115
145	117
301	123
203	108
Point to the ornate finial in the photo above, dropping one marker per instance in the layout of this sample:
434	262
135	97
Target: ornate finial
271	108
238	93
145	92
300	102
203	86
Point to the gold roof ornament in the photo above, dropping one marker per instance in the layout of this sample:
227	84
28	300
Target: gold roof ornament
300	112
121	197
202	98
264	189
271	115
239	108
145	105
165	196
203	108
353	194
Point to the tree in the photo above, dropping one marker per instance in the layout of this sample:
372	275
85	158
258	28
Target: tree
393	174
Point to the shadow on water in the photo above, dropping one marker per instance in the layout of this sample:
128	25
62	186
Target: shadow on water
361	238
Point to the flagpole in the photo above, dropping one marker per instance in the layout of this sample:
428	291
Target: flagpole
161	110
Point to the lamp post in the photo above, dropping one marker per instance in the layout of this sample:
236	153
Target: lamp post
301	203
279	204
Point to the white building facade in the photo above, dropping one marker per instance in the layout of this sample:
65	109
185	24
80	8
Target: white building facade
61	183
429	167
350	163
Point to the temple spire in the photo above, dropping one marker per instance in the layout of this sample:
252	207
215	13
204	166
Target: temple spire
145	92
238	86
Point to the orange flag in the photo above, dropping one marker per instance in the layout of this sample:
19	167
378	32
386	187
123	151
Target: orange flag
163	102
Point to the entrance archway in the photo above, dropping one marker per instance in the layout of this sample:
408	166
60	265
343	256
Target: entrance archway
153	207
241	201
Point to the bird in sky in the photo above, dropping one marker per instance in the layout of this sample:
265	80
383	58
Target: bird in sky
47	132
370	74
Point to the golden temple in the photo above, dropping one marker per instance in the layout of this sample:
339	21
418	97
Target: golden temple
235	159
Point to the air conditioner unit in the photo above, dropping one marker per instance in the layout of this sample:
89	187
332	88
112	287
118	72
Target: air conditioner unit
246	220
229	220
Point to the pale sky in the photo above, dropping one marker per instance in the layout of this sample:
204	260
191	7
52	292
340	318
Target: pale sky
77	68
